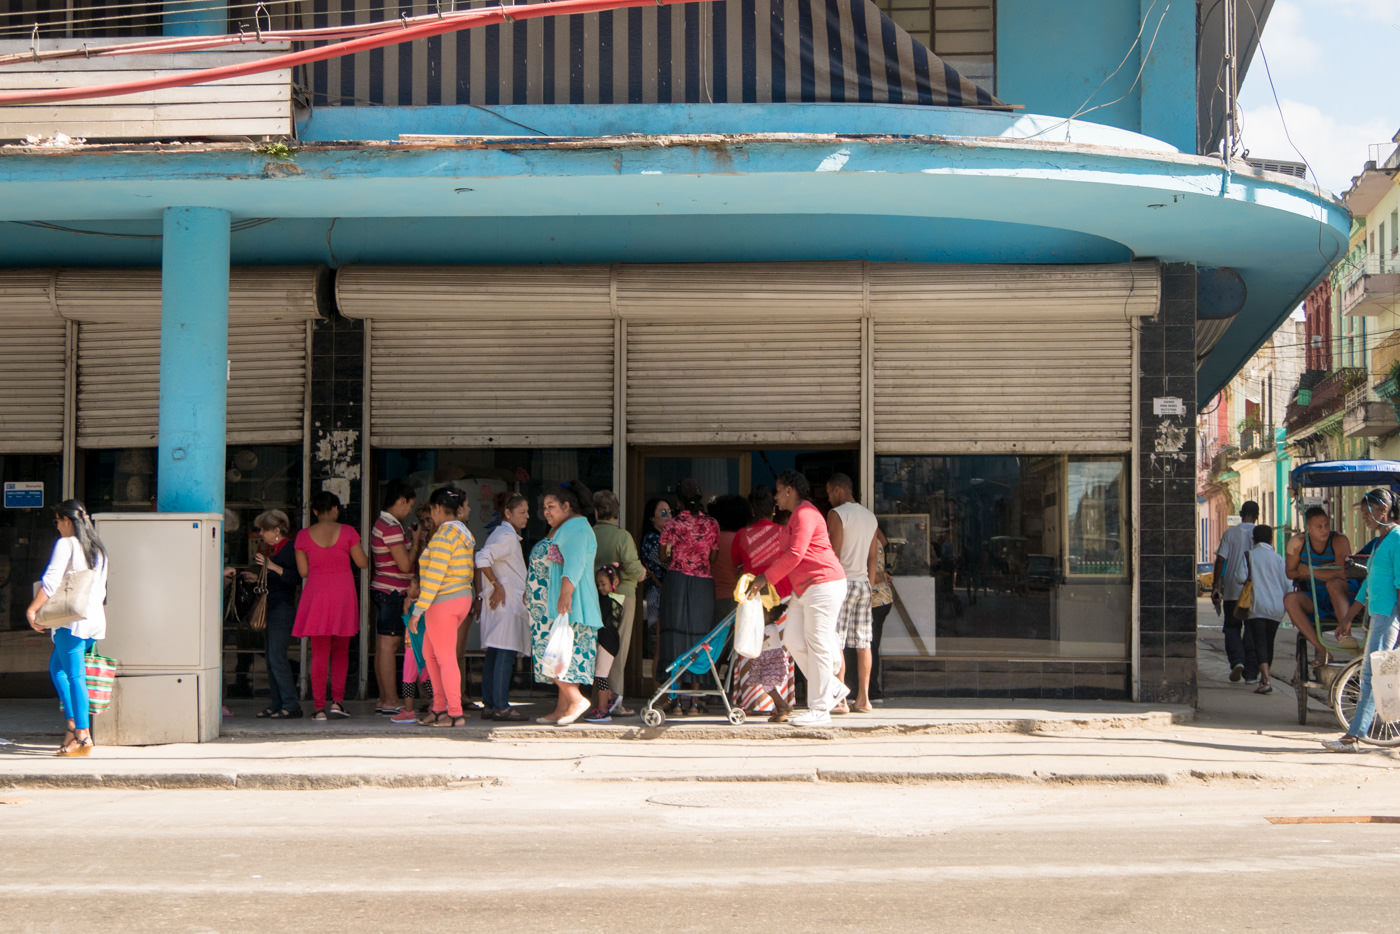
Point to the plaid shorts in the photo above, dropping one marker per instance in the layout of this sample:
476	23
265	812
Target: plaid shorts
854	627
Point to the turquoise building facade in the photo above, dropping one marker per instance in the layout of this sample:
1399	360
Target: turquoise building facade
715	239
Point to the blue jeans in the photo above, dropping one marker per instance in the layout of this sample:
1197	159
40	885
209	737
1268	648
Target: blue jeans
1381	638
281	687
495	678
69	674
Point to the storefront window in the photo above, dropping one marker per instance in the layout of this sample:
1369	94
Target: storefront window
484	472
1003	556
119	480
26	539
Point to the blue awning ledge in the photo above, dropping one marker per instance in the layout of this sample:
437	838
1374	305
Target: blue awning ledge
1008	194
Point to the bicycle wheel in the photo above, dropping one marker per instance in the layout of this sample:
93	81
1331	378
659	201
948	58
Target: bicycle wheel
1346	692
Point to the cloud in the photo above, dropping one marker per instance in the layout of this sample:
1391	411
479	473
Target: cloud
1375	11
1335	149
1287	39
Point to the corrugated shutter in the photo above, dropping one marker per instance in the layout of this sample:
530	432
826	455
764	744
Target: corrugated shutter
475	356
33	355
119	353
118	384
738	354
1006	359
517	382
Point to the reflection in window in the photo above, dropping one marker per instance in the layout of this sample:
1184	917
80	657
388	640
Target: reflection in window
1006	556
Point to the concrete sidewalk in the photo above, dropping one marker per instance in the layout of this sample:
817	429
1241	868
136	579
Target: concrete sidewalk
1233	735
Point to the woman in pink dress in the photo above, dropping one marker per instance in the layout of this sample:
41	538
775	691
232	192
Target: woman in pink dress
329	614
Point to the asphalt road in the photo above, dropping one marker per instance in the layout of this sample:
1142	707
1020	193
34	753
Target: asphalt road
683	856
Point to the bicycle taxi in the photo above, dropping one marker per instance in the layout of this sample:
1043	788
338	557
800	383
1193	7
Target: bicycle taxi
1338	682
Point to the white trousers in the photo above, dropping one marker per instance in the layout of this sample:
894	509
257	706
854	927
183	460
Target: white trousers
810	638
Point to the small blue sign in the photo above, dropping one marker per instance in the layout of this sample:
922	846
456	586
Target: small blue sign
24	494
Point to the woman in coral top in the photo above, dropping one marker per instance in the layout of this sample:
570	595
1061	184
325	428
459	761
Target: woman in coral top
806	561
329	613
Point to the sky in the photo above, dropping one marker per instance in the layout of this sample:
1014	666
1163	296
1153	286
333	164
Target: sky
1335	65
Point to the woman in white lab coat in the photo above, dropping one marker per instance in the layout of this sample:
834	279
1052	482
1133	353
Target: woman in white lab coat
505	623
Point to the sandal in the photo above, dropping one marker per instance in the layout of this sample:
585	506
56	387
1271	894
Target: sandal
1264	689
267	713
76	747
290	713
451	721
335	710
319	715
427	718
510	714
436	719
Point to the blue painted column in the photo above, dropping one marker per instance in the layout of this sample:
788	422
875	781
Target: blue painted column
193	360
1169	73
195	18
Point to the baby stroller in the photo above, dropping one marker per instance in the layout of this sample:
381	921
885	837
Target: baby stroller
700	659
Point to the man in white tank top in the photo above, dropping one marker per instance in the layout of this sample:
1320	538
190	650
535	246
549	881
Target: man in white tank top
852	530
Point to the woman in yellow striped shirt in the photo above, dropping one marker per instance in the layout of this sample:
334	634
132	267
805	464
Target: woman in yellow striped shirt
445	573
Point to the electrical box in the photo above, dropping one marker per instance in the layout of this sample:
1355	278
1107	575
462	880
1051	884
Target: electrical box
164	623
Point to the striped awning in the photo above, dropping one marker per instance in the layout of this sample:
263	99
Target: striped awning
728	51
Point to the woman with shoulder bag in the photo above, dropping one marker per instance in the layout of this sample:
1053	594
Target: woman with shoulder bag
77	550
278	571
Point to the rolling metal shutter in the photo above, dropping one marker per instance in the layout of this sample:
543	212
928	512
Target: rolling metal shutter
1006	359
486	356
33	360
743	353
270	310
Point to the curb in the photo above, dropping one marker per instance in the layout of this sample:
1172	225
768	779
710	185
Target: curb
714	732
265	781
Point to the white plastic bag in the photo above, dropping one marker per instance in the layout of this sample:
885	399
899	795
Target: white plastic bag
748	628
559	650
1385	684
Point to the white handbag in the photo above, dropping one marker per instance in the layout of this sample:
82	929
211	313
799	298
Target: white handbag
70	599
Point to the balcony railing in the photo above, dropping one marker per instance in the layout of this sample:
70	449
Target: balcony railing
1327	397
1254	442
251	106
1373	287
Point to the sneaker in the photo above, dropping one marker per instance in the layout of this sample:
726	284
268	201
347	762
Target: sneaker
598	716
839	694
1237	672
1337	745
811	718
405	715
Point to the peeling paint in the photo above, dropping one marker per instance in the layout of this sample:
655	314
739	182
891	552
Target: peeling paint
335	454
1171	437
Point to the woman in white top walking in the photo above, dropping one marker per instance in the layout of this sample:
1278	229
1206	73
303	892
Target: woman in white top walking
77	549
1266	569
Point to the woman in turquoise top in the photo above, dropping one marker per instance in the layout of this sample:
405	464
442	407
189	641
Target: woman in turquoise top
571	590
1380	593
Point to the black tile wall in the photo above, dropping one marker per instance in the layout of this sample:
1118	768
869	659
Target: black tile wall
1036	680
337	407
1166	475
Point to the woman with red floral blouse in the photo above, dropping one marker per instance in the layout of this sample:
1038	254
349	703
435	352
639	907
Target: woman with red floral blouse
688	544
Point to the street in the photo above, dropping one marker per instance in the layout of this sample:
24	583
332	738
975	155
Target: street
1107	825
586	856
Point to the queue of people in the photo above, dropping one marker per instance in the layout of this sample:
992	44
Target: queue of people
430	579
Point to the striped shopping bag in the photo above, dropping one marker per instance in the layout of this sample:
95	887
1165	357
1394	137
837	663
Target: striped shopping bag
101	673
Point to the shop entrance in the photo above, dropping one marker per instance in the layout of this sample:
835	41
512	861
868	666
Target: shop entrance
654	472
